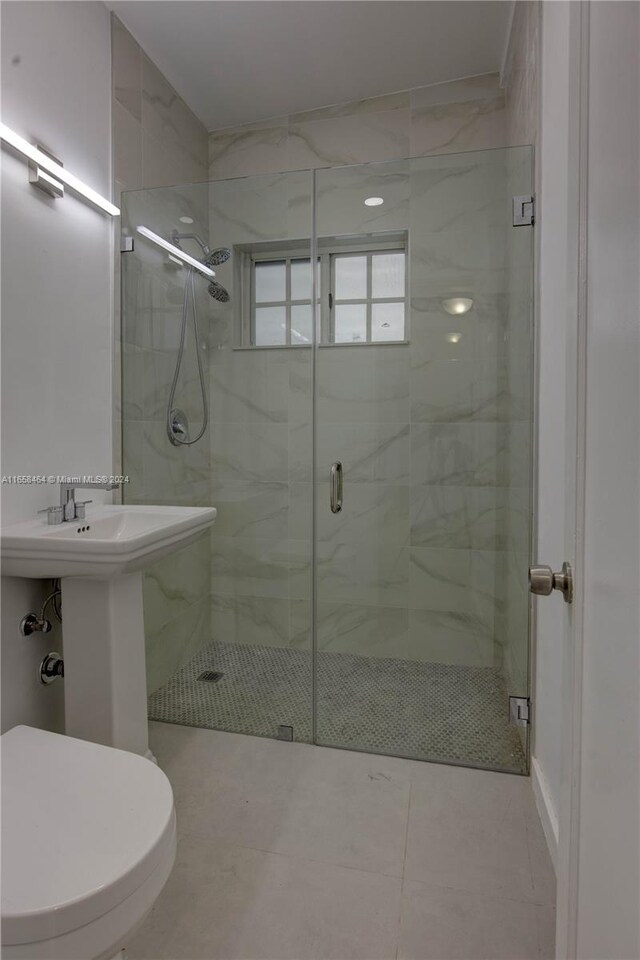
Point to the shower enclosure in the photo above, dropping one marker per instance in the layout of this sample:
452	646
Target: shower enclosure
368	449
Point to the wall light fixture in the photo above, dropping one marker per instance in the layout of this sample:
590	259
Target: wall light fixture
55	170
457	305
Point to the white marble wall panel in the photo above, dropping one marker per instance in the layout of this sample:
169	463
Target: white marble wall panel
374	574
175	583
251	387
457	390
132	459
251	620
460	262
459	191
127	147
249	567
461	517
252	509
369	452
177	642
383	104
248	150
176	475
300	510
359	138
372	513
249	451
462	115
443	118
363	630
167	118
341	193
451	636
521	74
126	68
469	454
449	580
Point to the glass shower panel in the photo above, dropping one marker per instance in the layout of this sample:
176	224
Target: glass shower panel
248	667
422	608
176	589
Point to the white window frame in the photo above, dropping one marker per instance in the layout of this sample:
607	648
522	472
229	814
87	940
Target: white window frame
329	249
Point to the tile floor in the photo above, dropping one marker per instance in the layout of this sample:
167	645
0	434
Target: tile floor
288	850
433	711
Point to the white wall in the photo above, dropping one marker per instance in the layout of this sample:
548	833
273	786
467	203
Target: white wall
57	338
551	351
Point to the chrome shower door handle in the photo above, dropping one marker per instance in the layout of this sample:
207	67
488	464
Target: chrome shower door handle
335	487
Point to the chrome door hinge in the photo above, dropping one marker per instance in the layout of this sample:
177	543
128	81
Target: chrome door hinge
520	711
524	209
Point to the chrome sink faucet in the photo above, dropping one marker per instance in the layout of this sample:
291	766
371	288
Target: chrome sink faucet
70	508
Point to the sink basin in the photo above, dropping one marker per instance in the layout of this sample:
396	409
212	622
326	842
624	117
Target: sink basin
99	561
112	540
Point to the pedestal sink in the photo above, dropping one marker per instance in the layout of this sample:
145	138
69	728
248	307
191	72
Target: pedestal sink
100	561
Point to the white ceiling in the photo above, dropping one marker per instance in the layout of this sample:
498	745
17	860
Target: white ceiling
236	61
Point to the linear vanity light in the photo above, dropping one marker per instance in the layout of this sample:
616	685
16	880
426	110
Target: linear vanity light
176	251
46	163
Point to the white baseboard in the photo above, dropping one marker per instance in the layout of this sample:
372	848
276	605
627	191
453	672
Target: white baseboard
545	807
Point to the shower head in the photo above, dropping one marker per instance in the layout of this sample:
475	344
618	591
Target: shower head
213	258
218	292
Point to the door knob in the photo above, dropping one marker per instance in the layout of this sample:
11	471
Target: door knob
543	581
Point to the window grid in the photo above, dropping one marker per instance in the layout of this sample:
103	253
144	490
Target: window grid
287	303
367	301
327	300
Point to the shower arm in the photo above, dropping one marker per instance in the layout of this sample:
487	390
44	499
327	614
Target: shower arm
176	237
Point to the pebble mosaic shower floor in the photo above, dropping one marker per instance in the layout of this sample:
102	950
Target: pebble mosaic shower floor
430	711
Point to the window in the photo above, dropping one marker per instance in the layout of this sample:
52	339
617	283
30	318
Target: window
368	297
361	287
281	302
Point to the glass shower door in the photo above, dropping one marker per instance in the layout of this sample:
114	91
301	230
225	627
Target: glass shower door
228	620
423	425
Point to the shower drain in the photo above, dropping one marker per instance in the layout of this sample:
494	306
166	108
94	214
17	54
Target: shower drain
211	676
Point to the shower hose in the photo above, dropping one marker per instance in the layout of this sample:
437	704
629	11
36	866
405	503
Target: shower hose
189	286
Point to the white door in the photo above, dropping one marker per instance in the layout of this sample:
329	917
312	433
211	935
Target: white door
599	824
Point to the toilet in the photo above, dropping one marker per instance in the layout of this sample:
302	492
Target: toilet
88	842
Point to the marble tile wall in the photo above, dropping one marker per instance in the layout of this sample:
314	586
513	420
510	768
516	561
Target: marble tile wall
464	114
521	74
436	412
260	409
158	141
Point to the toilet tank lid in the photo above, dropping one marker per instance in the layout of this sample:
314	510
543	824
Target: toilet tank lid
83	826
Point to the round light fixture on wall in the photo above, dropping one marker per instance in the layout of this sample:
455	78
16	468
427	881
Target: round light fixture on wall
373	201
186	219
457	305
453	337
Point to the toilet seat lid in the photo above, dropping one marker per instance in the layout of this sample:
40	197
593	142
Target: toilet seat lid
83	826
